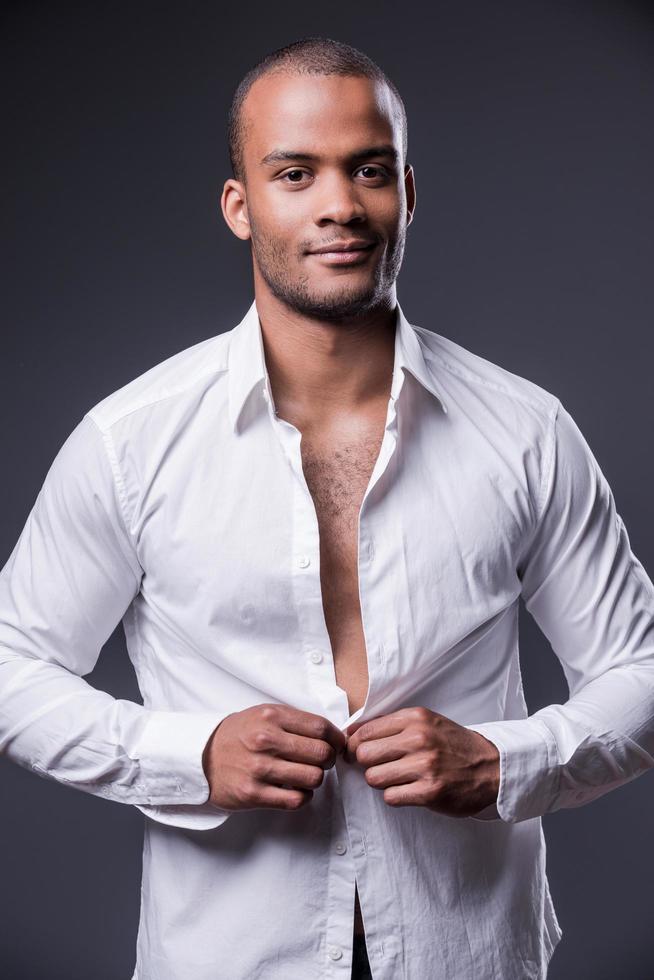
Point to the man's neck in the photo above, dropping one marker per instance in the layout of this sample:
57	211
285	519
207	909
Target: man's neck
317	365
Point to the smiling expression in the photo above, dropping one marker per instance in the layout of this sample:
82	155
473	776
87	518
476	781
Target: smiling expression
324	169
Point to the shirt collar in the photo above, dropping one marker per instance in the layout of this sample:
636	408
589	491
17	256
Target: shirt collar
247	365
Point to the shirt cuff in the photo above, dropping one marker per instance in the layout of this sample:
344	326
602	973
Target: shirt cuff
169	749
528	768
488	813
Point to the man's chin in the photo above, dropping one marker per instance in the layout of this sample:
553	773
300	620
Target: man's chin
332	305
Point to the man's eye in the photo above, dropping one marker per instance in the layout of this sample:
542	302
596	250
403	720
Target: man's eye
291	175
290	172
379	170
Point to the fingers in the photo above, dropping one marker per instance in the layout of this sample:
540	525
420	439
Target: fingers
298	748
311	725
402	771
376	728
277	783
294	775
281	798
378	751
269	755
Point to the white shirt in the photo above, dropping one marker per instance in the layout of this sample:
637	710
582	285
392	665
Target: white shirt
178	504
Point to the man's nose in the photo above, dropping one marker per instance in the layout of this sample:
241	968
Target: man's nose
338	201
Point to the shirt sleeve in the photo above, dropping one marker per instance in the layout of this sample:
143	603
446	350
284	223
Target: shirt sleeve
594	602
68	582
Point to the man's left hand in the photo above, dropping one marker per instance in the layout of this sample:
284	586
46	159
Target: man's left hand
421	758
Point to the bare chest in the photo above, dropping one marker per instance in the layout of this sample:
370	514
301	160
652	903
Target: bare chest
337	476
337	470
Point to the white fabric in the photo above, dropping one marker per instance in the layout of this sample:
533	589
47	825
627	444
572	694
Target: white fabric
178	504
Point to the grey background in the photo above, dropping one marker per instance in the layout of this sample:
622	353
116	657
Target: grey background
530	131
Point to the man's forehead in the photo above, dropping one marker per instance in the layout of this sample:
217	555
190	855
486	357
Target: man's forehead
284	109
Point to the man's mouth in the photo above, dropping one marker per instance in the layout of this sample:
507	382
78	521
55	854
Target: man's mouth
346	254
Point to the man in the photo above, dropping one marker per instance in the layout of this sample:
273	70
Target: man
316	528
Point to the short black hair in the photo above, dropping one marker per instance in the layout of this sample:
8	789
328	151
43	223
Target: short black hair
310	56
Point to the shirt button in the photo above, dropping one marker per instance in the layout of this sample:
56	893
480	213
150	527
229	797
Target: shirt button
316	656
340	847
303	561
335	952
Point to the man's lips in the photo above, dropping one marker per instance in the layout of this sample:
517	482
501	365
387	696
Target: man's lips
336	255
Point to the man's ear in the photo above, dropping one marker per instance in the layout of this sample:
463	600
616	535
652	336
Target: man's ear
410	190
233	202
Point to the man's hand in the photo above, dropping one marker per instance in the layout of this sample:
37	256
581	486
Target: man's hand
421	758
269	755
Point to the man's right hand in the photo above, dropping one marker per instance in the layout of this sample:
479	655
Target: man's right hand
269	755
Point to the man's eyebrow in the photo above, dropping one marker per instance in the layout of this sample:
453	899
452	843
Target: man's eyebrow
280	156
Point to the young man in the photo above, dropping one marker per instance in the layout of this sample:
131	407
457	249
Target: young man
316	528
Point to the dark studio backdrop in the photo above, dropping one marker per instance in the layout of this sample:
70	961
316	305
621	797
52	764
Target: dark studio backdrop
530	132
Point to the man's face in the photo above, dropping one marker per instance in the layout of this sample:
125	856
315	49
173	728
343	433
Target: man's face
341	179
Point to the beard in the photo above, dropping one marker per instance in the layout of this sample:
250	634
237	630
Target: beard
340	301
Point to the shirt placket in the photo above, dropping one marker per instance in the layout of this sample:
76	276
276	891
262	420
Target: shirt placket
347	859
365	835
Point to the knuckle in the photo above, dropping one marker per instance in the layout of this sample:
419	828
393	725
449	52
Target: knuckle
268	712
246	791
259	767
418	739
262	739
437	786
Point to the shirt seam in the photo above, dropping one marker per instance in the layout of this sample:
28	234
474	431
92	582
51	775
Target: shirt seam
545	483
469	376
121	495
548	466
162	395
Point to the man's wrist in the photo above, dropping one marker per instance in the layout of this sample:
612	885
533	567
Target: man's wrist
207	749
492	769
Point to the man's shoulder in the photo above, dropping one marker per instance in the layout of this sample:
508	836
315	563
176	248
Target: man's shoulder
458	366
179	374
